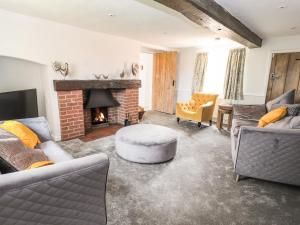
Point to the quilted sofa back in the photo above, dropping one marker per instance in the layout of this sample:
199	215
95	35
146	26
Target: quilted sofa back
201	98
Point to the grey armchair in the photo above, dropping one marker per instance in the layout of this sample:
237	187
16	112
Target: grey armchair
70	192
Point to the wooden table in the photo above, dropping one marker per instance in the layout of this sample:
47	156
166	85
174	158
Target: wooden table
222	110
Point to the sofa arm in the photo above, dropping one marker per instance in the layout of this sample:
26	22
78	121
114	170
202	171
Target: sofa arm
270	154
70	193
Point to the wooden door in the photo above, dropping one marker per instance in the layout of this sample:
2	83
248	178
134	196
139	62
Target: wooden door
284	75
164	80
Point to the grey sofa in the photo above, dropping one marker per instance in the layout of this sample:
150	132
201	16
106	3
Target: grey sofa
70	192
264	153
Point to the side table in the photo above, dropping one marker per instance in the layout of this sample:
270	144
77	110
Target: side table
222	110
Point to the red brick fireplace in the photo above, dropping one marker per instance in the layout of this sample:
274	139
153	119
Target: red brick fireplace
76	120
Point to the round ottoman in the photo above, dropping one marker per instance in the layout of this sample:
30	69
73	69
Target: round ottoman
146	143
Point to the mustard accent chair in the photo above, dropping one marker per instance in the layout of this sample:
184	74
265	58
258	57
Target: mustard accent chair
199	109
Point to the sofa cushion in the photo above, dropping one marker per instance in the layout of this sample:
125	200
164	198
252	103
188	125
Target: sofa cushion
15	155
249	112
54	152
286	98
295	122
237	123
272	116
292	109
27	136
284	123
25	159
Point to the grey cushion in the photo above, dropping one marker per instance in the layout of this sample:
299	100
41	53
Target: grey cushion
54	152
40	126
295	122
146	143
286	98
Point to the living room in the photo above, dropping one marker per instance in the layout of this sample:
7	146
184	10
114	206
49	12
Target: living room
149	112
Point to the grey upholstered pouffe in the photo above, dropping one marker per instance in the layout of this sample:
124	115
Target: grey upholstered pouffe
146	143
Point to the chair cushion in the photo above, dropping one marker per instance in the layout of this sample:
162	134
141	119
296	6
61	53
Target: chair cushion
54	152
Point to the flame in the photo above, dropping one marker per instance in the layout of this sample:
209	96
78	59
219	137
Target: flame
99	117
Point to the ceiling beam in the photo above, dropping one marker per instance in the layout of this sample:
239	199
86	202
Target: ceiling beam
214	17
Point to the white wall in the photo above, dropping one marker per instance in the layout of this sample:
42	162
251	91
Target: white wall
44	41
257	67
185	73
17	74
145	92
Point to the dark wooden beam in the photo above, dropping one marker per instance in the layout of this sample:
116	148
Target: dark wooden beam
214	17
69	85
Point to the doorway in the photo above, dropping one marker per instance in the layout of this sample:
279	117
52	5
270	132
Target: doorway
146	74
164	81
284	75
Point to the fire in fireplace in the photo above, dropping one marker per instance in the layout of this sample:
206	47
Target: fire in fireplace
99	115
98	101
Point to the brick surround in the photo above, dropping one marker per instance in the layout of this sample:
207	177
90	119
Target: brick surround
75	121
70	105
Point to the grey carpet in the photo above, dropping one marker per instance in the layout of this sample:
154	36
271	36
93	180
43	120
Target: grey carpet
195	188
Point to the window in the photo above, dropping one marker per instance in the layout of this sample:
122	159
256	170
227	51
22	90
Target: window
215	73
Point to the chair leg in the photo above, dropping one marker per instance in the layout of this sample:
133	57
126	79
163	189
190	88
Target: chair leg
178	119
199	124
210	122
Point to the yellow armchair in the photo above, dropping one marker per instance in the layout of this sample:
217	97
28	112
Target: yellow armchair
199	109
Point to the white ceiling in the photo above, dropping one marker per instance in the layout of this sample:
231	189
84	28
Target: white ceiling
142	20
265	17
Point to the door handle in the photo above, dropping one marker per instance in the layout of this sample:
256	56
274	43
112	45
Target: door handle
274	77
173	83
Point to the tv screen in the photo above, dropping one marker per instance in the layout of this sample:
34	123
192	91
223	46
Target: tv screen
18	104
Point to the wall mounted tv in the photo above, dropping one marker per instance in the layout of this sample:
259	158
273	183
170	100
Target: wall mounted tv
18	104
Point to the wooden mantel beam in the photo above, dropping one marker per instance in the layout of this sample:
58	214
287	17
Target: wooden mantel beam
214	17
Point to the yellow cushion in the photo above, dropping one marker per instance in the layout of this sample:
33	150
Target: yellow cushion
40	164
272	116
27	136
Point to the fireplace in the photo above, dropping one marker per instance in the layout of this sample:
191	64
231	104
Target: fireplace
98	102
84	104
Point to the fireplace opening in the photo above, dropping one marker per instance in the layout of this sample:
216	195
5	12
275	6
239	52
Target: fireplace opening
99	116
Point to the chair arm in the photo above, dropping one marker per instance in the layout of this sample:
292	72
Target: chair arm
270	154
69	193
206	111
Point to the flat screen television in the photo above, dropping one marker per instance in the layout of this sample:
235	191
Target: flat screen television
18	104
